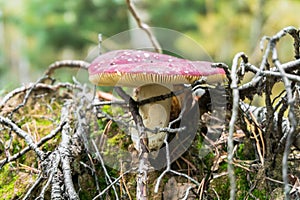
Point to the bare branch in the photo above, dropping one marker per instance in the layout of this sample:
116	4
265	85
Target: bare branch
104	169
23	134
27	95
64	150
235	107
26	149
34	86
168	168
113	183
73	64
143	26
34	186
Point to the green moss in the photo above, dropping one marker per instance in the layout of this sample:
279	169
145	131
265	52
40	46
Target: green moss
107	109
87	186
240	150
260	194
16	146
223	166
43	122
13	183
45	147
242	186
51	145
5	135
199	142
222	187
101	123
208	160
25	119
246	151
23	158
7	183
116	139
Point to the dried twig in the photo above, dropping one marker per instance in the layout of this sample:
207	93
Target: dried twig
52	134
56	191
235	107
104	169
34	186
23	134
168	168
64	150
272	50
225	68
113	183
33	86
292	120
142	144
143	26
52	172
73	64
261	150
27	95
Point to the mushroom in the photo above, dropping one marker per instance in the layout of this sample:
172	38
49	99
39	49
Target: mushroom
152	74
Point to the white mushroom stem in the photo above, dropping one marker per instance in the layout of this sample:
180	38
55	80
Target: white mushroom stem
154	114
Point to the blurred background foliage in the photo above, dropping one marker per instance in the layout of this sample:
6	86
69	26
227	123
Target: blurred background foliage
35	33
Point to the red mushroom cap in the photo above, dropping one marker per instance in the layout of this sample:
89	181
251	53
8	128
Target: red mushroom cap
136	67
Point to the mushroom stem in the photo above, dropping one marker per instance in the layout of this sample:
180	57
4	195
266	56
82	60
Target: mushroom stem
155	114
